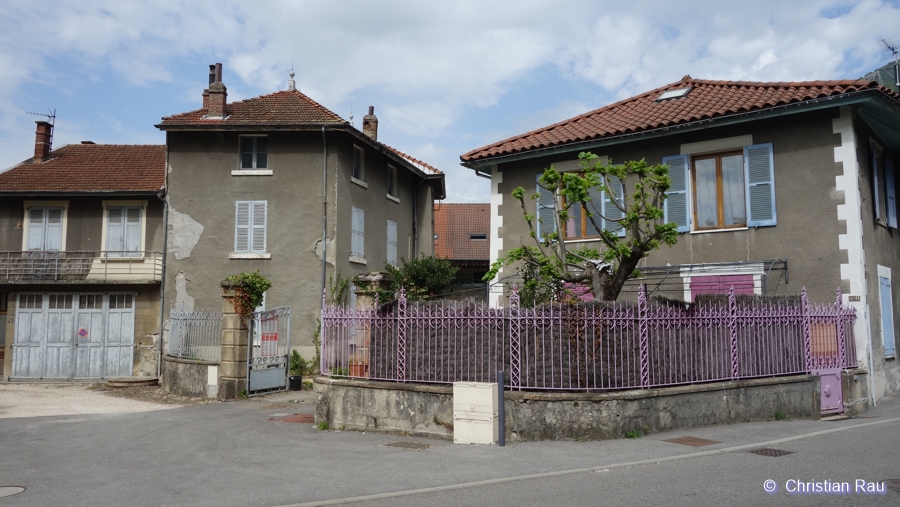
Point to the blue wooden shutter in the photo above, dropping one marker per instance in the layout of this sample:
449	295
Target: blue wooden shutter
357	239
546	211
889	186
132	236
258	227
759	175
611	213
887	316
53	231
392	242
876	187
242	226
677	206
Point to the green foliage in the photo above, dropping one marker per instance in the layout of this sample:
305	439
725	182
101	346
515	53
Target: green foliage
633	434
249	290
340	371
243	395
422	278
322	426
781	416
338	288
549	265
300	366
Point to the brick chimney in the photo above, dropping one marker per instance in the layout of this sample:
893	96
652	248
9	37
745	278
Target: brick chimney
212	79
370	124
217	95
42	140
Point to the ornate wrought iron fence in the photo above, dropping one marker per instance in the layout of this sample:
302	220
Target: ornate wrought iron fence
588	346
195	335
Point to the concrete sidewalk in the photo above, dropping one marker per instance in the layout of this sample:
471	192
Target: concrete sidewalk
240	453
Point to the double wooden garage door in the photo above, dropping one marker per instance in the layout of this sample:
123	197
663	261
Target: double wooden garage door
73	335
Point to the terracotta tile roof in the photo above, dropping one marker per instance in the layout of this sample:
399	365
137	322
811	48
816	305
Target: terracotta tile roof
288	107
454	223
91	168
414	161
705	100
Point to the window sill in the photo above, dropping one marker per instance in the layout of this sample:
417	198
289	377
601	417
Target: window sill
122	258
395	199
358	260
733	229
359	182
251	172
249	256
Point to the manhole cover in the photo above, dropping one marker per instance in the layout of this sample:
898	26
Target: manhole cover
692	441
295	418
893	484
408	445
772	453
10	490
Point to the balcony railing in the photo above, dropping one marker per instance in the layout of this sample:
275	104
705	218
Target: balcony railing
105	266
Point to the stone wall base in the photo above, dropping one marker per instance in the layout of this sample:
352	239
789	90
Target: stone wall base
427	410
231	388
187	377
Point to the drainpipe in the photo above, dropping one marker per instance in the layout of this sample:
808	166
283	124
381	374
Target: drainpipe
324	206
415	218
161	195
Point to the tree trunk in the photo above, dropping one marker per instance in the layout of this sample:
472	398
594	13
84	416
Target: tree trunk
613	285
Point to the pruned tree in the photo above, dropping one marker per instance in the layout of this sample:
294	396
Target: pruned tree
629	224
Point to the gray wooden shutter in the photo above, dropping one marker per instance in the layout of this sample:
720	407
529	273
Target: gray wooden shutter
677	206
36	228
887	316
759	174
258	227
53	231
611	213
392	242
889	186
242	226
132	239
115	230
357	240
546	211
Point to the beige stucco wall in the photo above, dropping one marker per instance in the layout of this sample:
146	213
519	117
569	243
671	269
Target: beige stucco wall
202	193
806	200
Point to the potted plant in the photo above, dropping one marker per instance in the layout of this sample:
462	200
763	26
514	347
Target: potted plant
359	364
297	369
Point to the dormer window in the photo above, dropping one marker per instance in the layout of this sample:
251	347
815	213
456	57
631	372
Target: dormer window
674	94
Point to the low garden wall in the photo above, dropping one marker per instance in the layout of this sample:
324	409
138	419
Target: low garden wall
427	410
189	377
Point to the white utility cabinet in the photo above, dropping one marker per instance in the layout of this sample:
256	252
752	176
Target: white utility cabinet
475	413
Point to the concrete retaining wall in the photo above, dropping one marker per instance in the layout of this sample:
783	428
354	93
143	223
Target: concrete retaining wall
189	377
427	410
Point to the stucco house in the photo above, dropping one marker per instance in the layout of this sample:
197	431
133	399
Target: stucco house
81	239
775	186
280	184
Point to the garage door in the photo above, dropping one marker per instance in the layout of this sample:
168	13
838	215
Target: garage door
73	336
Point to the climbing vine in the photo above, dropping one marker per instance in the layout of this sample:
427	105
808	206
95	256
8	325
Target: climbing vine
248	289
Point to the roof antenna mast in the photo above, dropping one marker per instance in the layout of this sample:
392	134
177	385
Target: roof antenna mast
893	49
50	115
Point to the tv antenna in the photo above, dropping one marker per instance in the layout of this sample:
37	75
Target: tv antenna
893	49
50	115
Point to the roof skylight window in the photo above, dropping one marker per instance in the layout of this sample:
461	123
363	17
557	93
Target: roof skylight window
674	94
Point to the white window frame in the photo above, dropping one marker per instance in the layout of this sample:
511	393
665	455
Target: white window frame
358	154
251	253
392	193
142	204
357	246
755	269
46	204
253	171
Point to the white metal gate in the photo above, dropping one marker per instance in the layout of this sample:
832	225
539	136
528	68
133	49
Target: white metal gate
73	336
270	340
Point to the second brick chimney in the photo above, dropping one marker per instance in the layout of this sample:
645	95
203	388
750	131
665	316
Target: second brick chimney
217	96
370	124
42	141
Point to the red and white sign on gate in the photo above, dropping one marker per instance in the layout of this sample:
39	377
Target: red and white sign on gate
269	346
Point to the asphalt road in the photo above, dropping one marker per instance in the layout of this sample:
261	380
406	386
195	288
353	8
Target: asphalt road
233	454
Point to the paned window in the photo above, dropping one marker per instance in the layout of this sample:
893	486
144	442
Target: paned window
123	231
605	213
392	181
392	242
359	163
883	186
250	226
45	228
723	190
254	152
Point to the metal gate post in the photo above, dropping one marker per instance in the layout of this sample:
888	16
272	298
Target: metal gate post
401	336
804	312
644	333
842	343
515	340
732	330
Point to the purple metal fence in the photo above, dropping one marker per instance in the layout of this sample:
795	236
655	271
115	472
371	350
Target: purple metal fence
587	346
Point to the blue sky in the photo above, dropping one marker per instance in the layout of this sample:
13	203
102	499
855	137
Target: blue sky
444	77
